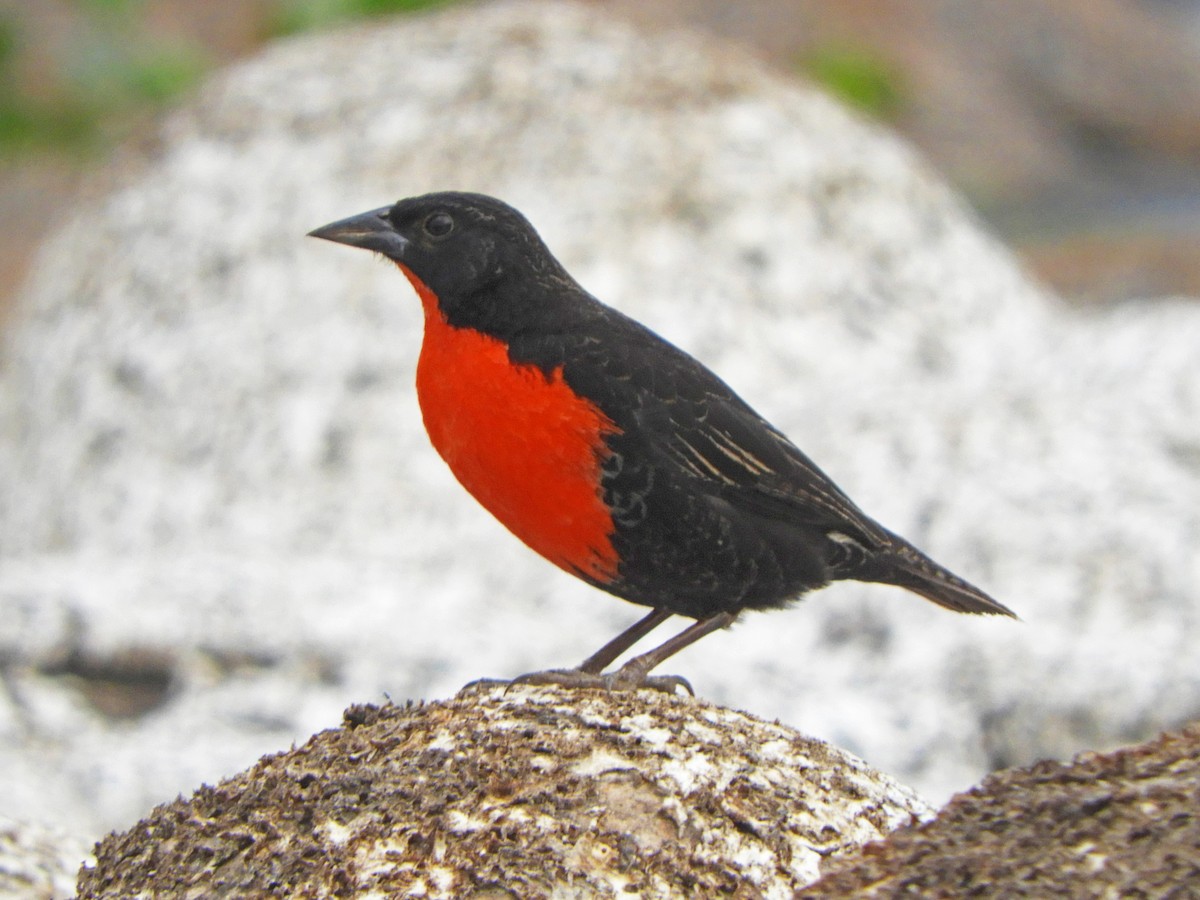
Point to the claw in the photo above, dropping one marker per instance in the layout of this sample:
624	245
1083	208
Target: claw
665	683
485	683
624	679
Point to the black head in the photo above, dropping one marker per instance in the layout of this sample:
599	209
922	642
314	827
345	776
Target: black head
466	248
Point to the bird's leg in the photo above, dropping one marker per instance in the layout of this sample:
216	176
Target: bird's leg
634	674
594	664
602	658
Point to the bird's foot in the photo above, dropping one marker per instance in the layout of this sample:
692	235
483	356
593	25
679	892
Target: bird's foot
486	683
626	678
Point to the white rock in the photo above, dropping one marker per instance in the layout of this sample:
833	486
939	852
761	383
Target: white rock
519	809
209	443
39	863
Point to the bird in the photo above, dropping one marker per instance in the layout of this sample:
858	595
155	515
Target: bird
613	453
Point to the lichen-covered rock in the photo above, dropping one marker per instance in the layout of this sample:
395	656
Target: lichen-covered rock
216	495
526	793
1123	824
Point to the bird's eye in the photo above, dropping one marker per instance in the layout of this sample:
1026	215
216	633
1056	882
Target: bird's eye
439	225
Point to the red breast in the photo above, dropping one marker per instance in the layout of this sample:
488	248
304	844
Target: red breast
526	446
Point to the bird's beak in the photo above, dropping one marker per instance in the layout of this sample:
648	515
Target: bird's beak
370	230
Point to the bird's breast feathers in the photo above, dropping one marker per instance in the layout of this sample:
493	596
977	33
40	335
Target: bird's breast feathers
525	445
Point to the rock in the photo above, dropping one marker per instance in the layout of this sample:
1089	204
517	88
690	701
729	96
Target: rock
529	793
1122	824
221	522
38	863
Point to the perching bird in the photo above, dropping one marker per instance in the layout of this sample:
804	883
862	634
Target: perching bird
610	451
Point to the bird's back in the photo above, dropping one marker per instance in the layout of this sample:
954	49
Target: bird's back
711	507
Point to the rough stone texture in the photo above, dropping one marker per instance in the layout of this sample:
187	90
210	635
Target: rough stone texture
221	522
533	793
1124	824
36	862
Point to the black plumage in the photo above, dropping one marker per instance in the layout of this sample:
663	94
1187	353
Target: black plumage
713	510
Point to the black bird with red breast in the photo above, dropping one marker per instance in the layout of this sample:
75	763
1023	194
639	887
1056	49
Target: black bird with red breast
613	453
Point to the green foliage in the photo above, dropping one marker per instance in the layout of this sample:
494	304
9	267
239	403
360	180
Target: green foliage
107	7
30	127
857	76
388	7
160	75
113	73
8	44
24	122
293	16
150	74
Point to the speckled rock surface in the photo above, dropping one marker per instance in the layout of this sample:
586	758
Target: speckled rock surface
221	521
1123	824
536	793
38	863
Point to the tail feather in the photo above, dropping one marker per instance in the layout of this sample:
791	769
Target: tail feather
903	565
946	589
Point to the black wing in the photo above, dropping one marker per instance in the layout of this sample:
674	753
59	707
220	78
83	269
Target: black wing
756	517
694	424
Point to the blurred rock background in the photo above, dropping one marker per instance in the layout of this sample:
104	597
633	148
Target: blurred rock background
215	497
1073	127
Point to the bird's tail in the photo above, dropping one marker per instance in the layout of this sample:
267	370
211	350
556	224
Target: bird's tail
905	566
